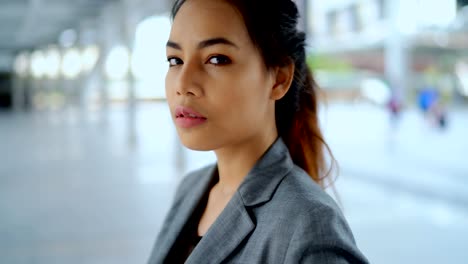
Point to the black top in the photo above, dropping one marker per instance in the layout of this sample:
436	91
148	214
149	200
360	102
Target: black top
189	238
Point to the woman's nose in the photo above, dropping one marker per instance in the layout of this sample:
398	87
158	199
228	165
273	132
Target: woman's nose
188	83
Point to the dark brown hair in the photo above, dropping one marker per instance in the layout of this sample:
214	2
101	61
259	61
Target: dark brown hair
272	26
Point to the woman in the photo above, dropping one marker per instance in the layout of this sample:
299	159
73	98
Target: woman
238	84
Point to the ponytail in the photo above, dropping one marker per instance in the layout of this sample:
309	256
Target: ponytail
303	136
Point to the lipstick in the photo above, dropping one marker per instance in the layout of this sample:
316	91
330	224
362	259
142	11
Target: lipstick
187	118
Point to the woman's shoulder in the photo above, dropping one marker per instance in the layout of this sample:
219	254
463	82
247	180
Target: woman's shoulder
313	208
301	212
301	191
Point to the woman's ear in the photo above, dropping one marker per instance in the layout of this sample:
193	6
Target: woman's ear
284	77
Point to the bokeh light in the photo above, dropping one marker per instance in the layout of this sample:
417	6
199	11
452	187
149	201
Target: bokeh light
117	63
21	65
90	56
52	63
71	64
38	64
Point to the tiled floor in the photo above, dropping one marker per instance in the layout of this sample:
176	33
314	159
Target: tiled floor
73	189
76	192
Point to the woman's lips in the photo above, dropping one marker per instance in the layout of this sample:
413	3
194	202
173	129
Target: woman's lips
186	117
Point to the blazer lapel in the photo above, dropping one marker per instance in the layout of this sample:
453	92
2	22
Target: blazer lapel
234	224
227	232
183	210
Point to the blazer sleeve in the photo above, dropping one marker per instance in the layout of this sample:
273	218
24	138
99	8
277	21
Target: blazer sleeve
323	236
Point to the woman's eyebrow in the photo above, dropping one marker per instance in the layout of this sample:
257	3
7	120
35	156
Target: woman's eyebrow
216	41
204	44
172	44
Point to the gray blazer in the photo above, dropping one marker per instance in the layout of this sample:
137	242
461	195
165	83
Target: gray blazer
277	215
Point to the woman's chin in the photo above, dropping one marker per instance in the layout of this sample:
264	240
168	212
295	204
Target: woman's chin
198	145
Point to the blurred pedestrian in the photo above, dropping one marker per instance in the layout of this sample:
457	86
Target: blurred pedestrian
439	115
427	96
394	106
238	84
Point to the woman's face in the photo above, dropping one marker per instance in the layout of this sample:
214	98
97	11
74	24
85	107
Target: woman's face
217	85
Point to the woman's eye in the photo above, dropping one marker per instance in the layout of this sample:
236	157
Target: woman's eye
219	60
174	61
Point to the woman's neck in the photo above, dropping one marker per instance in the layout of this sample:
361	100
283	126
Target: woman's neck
235	161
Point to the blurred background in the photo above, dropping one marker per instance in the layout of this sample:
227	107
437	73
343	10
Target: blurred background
89	158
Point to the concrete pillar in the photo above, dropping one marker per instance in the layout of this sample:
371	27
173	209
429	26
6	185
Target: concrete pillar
397	52
133	12
18	93
108	35
132	15
87	36
302	6
20	68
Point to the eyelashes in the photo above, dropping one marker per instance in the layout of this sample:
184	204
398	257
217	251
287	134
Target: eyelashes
217	60
174	61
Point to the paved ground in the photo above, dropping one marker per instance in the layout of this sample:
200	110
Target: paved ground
73	189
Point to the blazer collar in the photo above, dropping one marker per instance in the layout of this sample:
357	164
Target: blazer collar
234	223
262	180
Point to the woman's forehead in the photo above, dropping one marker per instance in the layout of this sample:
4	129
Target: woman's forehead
198	20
